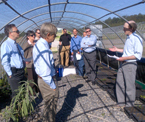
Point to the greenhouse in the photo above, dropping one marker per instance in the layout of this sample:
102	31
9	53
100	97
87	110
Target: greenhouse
79	100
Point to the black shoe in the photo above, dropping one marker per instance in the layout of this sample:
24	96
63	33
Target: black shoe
66	66
88	81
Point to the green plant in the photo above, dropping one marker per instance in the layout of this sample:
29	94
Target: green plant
5	90
21	105
142	96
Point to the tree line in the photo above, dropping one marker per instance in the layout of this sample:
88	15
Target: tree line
115	21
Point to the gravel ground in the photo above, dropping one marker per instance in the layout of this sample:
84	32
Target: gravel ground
80	101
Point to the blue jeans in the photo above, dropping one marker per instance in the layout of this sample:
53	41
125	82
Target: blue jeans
78	64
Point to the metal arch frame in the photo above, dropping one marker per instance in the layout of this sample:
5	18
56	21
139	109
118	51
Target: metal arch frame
88	16
63	11
82	14
85	15
111	12
38	21
81	4
50	10
52	17
78	19
71	3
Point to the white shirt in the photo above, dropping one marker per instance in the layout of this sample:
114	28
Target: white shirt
86	41
133	46
10	56
43	62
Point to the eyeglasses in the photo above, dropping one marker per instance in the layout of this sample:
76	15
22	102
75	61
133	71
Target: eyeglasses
38	33
88	31
126	28
17	31
32	35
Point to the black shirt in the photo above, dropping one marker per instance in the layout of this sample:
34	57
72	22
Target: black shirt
65	39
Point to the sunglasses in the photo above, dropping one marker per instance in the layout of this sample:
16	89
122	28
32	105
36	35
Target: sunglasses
16	31
38	33
126	28
32	35
88	31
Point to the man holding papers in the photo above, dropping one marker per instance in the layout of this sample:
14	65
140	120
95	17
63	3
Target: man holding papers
76	52
132	52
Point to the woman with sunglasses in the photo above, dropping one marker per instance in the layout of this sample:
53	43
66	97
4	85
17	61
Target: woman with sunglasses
28	47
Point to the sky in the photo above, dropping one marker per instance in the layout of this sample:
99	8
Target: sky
74	19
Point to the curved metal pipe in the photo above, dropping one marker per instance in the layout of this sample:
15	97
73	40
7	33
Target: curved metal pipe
80	20
40	21
111	12
63	11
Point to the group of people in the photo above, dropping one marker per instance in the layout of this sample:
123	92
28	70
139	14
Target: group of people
42	67
85	47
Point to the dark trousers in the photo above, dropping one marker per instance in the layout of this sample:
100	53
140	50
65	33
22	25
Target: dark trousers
90	64
78	64
33	77
14	81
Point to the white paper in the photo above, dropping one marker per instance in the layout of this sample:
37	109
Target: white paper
114	56
78	56
68	71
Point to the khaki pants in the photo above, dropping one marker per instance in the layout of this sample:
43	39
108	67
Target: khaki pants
65	49
50	98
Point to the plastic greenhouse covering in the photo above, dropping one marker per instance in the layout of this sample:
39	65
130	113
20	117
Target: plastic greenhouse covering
69	14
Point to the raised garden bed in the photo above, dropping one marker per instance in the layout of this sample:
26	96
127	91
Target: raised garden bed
131	110
142	98
139	117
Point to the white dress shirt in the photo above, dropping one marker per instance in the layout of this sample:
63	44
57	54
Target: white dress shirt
44	62
10	56
133	46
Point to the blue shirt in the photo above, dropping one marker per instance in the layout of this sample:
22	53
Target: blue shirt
133	46
75	43
10	56
44	62
89	41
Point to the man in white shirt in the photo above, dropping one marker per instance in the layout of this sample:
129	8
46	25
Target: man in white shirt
44	67
12	56
132	52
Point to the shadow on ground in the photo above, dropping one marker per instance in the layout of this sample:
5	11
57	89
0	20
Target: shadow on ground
69	103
